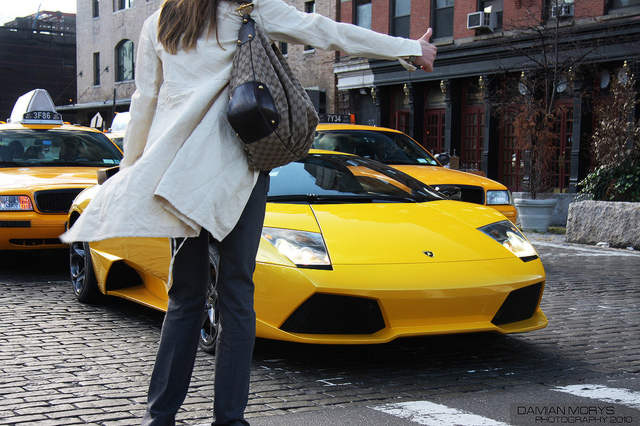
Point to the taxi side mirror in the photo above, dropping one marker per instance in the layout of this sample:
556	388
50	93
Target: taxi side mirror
443	158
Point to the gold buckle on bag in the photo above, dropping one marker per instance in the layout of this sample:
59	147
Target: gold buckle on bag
245	9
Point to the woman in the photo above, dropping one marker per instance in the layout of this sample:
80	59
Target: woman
184	175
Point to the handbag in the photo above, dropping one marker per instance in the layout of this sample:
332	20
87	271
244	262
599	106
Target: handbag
268	108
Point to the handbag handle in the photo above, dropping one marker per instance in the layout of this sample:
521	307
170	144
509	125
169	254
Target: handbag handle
245	8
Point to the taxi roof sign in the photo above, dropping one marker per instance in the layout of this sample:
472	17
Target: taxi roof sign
35	107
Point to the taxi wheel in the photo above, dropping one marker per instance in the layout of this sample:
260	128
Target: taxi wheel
83	278
210	323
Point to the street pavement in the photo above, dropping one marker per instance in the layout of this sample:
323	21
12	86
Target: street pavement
62	362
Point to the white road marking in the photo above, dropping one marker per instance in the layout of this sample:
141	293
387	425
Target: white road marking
612	395
591	252
431	414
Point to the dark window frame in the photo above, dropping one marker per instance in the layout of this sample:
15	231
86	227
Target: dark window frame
355	14
96	68
615	5
120	77
309	7
393	19
95	8
436	30
123	4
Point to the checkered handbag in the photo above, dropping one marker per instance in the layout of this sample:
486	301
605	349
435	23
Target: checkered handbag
268	108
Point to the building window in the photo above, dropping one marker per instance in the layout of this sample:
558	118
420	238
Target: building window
363	13
122	4
96	69
96	8
124	60
309	7
493	6
443	18
400	18
619	4
284	47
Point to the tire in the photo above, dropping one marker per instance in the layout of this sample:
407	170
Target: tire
83	278
211	318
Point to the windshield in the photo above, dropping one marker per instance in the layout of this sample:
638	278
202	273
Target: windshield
386	147
55	147
326	178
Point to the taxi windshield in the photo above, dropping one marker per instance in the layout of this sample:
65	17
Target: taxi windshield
333	178
385	147
56	147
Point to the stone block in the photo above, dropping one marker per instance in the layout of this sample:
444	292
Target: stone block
615	222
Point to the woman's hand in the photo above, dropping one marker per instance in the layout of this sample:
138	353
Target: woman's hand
425	61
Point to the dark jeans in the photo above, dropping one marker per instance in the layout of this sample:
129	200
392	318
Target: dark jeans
181	327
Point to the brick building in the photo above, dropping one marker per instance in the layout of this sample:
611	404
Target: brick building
454	109
109	31
38	51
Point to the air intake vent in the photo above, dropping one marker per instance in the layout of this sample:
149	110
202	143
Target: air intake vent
519	305
56	200
333	314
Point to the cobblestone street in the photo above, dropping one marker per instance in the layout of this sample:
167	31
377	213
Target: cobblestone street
62	362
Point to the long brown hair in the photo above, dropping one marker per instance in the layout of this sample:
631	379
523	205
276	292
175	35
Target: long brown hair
183	21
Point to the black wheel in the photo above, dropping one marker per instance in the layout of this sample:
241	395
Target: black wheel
83	278
210	322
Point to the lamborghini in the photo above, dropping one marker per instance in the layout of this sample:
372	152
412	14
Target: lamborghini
352	252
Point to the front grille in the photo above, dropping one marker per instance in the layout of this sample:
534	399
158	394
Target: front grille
519	305
56	200
15	224
35	241
334	314
468	193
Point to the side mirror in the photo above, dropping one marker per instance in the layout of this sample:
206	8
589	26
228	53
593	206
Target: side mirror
443	158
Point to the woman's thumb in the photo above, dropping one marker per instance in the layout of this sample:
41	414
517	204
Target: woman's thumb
427	35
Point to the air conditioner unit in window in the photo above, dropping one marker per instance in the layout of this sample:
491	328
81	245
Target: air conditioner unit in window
562	11
477	20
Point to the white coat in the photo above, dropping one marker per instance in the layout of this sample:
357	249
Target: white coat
183	166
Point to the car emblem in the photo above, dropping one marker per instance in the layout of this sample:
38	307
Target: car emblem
428	253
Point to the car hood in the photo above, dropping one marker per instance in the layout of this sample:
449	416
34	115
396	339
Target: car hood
436	175
383	233
35	177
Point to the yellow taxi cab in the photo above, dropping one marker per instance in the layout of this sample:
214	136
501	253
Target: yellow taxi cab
394	148
44	164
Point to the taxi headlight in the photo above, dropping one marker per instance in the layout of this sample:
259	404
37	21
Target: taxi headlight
498	197
15	203
305	249
511	238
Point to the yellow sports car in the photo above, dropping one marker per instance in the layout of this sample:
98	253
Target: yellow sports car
392	147
352	251
44	164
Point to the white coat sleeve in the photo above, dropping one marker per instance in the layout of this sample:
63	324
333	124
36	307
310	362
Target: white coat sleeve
286	23
148	78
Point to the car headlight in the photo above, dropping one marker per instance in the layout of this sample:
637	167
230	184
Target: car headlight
511	238
498	197
305	249
15	203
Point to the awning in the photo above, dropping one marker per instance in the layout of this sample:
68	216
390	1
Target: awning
93	105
